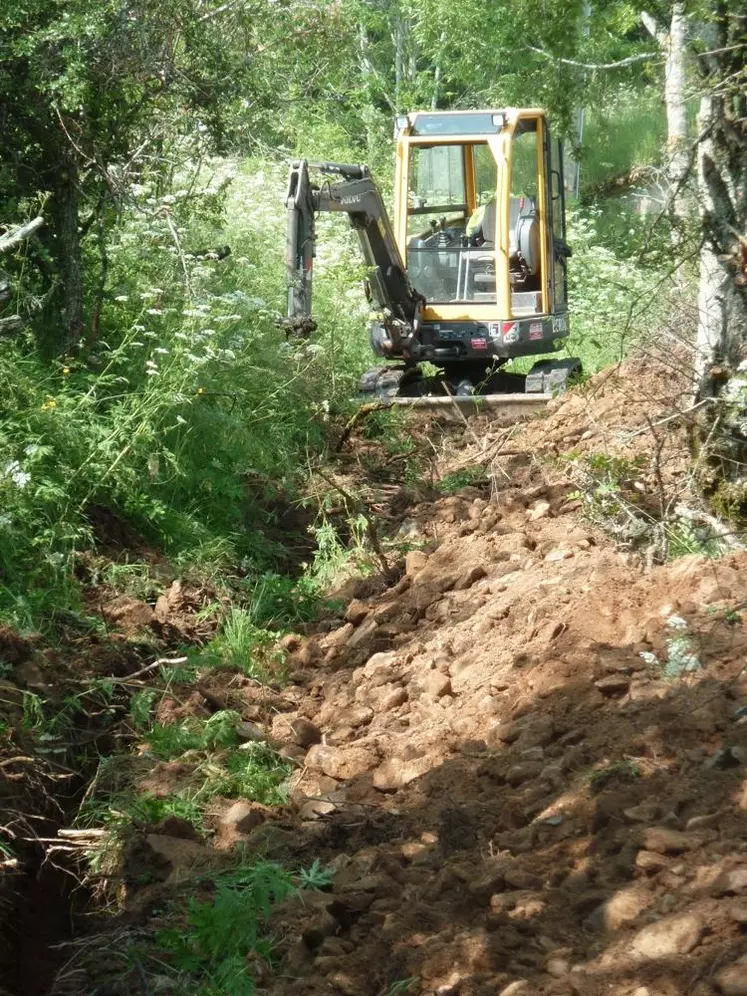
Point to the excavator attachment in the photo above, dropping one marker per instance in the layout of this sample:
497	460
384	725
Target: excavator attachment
471	273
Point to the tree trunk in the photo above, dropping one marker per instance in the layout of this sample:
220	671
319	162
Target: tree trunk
722	326
399	60
64	206
673	44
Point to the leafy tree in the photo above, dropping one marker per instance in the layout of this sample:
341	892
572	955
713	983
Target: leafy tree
95	92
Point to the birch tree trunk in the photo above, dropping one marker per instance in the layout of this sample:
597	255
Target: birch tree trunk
722	297
673	44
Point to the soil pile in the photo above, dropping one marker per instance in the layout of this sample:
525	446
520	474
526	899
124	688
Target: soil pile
526	758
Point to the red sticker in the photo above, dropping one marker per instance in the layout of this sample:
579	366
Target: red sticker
535	330
479	343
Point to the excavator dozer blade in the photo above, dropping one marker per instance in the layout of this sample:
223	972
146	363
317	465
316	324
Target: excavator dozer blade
511	405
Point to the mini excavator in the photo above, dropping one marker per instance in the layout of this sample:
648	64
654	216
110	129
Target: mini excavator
471	274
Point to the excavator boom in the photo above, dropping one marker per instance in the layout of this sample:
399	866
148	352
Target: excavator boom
356	195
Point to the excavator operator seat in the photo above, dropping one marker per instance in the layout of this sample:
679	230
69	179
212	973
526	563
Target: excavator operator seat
525	235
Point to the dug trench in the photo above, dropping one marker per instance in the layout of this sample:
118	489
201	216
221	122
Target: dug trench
521	757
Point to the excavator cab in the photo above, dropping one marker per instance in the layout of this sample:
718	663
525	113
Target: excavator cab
480	223
471	273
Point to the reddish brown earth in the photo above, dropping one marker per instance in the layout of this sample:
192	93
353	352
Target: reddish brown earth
513	799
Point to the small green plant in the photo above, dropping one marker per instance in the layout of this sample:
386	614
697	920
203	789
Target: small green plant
141	706
251	771
244	645
131	579
315	876
623	770
451	483
219	936
401	987
171	740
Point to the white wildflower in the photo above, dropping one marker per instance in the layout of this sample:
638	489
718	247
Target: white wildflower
161	350
12	470
154	311
676	622
121	298
31	449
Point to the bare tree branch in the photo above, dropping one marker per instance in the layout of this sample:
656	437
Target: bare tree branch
654	28
8	241
596	65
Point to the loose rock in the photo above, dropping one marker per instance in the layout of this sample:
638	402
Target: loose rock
732	980
673	935
342	763
613	684
356	612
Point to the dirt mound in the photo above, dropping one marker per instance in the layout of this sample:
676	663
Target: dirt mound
523	780
528	769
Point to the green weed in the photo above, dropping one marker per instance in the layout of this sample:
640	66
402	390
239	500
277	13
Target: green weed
213	946
401	987
253	771
244	645
622	770
315	876
451	483
172	740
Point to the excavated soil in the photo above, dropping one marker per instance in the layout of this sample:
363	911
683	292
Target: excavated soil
525	753
518	797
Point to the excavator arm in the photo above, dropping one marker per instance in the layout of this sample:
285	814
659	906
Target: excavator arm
356	195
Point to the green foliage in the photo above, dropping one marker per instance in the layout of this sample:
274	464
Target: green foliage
401	987
452	483
243	645
624	770
175	739
628	130
213	947
614	299
315	876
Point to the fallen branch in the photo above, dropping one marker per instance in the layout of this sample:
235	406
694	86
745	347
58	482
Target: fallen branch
13	238
363	411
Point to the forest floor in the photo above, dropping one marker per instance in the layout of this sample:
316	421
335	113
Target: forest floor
522	755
